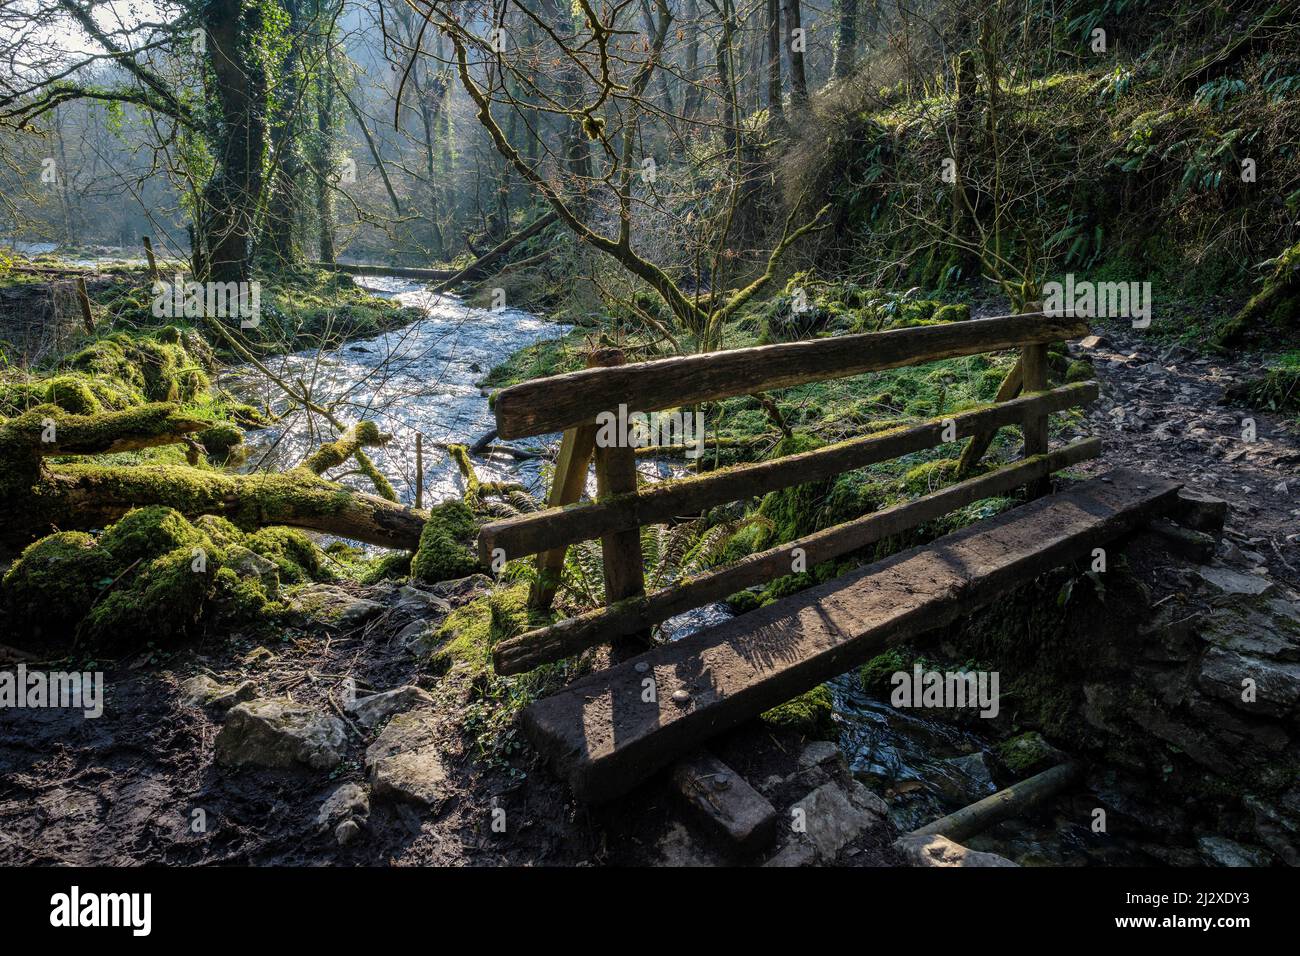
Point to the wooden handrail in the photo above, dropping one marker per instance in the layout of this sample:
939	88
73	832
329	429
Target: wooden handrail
560	526
562	401
569	637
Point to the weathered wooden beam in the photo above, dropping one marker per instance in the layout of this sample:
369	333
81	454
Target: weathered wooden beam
1015	800
554	403
1033	365
605	734
620	550
555	527
736	815
572	636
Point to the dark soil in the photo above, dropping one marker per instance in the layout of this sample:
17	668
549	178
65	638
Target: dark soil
123	789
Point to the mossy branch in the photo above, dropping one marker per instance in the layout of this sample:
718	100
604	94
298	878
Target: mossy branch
361	435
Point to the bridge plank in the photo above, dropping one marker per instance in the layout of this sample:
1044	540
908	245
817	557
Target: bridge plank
560	401
605	736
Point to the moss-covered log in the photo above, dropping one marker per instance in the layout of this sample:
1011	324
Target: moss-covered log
48	431
92	496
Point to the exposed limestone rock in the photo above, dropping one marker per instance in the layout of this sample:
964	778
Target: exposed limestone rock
277	732
202	691
349	801
334	606
371	711
404	762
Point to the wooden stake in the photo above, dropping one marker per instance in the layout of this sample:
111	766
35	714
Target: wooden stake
153	263
83	298
979	444
419	470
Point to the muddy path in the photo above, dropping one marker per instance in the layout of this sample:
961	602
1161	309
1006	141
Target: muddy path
141	785
1167	410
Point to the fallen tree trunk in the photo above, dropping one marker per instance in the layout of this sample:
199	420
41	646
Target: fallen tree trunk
402	272
85	496
478	268
39	498
1015	800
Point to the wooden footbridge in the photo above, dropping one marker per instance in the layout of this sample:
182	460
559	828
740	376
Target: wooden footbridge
605	733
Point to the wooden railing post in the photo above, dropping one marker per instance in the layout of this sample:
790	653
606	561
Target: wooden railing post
567	486
1033	365
620	550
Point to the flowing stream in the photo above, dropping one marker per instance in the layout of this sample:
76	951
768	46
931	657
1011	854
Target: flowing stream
419	378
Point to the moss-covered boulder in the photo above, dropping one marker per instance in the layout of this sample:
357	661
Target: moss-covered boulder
810	714
152	575
446	544
53	584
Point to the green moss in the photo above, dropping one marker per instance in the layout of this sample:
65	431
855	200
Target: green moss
742	602
220	440
163	599
18	397
391	567
1027	753
71	394
295	555
445	544
810	714
1079	371
54	582
167	575
466	637
792	511
148	533
957	312
877	673
931	475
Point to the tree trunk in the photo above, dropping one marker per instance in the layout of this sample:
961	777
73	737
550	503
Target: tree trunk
774	62
231	196
284	206
846	38
797	44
